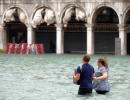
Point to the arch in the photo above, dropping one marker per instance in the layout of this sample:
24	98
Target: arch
39	7
95	11
125	20
67	7
125	15
18	8
73	18
19	33
105	21
33	22
43	32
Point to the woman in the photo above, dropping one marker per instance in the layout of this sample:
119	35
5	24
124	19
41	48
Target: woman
85	76
101	84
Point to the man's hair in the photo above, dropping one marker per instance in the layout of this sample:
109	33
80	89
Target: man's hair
86	58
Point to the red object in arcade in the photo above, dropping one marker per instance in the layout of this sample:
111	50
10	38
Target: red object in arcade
24	48
39	49
11	48
19	48
42	48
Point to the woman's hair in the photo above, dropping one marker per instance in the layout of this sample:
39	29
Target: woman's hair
86	58
103	61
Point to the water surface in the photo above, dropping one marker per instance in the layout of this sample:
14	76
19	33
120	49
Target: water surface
49	77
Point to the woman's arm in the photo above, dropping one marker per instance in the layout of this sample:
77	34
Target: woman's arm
103	76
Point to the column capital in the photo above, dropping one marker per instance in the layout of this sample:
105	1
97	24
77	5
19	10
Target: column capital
59	25
121	27
1	27
29	25
2	24
89	25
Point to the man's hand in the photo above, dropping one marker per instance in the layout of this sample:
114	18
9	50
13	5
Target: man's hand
76	76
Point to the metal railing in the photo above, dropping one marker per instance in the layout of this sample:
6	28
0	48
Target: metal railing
106	27
127	28
80	27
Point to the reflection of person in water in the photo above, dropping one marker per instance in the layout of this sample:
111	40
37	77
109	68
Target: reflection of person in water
52	46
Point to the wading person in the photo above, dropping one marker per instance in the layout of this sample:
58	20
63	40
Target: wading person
83	75
101	84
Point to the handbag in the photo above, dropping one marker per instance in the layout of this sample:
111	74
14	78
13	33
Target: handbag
77	82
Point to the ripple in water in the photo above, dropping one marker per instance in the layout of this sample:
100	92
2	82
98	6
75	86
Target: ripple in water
48	77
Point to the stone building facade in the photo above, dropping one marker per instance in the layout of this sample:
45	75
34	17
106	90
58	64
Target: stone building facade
67	26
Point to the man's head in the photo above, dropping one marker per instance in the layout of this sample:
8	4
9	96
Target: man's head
86	58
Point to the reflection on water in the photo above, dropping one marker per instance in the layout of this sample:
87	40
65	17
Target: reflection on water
48	77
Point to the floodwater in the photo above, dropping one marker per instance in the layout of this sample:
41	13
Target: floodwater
49	77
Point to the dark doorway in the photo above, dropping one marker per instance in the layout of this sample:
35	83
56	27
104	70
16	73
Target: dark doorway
105	30
128	31
75	36
46	35
16	32
128	43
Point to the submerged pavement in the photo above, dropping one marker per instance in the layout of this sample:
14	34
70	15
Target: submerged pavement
49	77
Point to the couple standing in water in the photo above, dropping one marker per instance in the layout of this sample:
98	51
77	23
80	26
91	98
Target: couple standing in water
88	79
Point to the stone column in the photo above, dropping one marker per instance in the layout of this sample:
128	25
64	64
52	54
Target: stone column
122	36
90	39
30	35
59	39
3	40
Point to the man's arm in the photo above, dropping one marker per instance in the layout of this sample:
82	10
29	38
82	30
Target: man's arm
76	76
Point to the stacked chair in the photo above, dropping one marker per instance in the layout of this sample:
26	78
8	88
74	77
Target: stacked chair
24	48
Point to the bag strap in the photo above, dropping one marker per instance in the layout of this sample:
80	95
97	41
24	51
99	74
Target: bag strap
81	67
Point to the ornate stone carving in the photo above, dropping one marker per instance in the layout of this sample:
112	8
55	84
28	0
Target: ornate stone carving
43	15
80	15
15	14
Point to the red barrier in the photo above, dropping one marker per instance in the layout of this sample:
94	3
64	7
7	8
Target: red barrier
18	48
42	48
39	49
24	48
11	48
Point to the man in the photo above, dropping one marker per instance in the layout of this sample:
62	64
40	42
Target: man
84	75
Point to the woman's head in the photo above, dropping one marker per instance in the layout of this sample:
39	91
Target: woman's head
86	58
102	62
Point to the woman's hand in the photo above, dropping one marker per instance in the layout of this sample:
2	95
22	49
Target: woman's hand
95	78
104	76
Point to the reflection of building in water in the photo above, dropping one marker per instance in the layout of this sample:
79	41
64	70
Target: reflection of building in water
74	26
